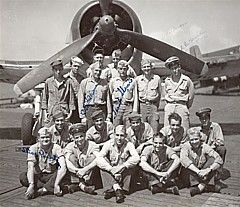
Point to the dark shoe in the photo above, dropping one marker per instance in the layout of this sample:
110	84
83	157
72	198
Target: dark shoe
156	189
217	188
194	191
173	190
59	194
119	196
73	188
213	188
109	194
90	189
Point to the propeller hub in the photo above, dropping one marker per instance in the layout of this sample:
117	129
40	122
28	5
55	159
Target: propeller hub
107	25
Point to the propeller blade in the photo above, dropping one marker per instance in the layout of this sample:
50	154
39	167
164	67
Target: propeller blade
162	50
44	70
104	4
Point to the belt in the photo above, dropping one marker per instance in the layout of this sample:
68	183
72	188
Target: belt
95	105
148	102
177	102
124	103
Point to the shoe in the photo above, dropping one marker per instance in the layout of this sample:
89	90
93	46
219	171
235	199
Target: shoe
59	194
119	196
90	189
42	191
173	190
156	189
194	191
213	188
217	188
109	194
73	188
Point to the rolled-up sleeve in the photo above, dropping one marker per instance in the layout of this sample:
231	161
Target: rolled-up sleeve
102	161
184	156
212	153
134	159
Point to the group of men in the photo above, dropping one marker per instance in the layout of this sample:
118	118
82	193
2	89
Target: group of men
103	132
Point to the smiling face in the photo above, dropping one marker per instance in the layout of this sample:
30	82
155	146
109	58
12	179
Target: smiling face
98	122
175	69
147	69
58	71
175	125
122	70
59	123
45	139
135	124
79	139
75	68
158	143
205	120
98	58
120	135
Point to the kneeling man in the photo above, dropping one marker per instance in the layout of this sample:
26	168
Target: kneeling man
80	158
117	160
46	167
201	161
160	165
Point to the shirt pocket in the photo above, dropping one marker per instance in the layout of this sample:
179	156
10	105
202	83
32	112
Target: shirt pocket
153	90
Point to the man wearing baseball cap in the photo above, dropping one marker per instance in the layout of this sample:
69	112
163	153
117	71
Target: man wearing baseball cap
179	92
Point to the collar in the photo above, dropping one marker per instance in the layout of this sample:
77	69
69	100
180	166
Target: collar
143	78
211	127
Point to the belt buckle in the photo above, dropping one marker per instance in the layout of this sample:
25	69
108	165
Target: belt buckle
147	102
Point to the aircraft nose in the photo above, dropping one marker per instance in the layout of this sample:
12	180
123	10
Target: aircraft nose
107	24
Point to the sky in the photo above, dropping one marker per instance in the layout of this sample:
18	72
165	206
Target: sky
37	29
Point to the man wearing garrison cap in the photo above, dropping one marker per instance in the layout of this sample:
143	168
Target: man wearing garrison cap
75	76
46	167
80	158
101	131
179	91
60	129
211	133
58	94
93	95
139	133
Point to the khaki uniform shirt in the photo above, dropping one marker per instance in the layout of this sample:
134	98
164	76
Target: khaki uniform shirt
44	161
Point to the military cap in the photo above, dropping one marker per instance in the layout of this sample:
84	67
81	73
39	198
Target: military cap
59	114
76	60
145	62
56	64
44	131
202	111
122	63
96	65
98	51
116	53
171	60
97	114
79	127
134	116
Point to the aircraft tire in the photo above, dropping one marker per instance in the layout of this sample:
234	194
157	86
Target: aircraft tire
26	129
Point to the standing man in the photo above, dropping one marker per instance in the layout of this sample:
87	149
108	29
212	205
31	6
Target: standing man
123	93
46	167
76	79
101	131
174	134
111	70
58	94
139	133
211	132
117	160
160	164
80	158
93	95
60	130
179	91
201	161
149	95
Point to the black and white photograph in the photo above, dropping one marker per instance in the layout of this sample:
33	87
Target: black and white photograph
119	103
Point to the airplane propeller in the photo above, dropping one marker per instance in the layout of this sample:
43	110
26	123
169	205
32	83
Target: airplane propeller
44	70
107	29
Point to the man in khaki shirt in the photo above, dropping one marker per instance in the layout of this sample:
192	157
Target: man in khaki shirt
149	95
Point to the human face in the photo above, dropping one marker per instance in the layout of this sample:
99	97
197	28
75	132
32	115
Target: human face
59	123
98	58
205	120
194	140
115	59
175	69
135	124
79	139
75	68
147	69
175	125
44	139
158	143
98	122
122	70
97	72
58	72
119	136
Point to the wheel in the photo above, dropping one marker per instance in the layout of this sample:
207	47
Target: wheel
26	129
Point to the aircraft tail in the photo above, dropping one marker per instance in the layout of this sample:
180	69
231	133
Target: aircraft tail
195	51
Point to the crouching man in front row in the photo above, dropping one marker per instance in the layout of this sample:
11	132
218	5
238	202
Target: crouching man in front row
201	161
160	165
117	160
46	167
80	158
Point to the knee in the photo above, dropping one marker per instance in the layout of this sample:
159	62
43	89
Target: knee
23	179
